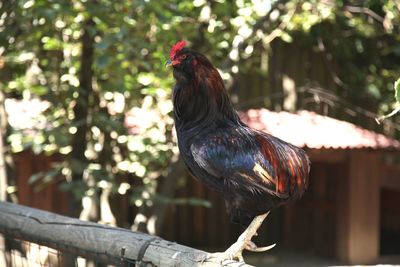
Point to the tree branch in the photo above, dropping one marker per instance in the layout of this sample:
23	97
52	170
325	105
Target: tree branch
364	10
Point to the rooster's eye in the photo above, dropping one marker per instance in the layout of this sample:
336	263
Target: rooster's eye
182	57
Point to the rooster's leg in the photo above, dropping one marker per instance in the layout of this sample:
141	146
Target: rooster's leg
234	252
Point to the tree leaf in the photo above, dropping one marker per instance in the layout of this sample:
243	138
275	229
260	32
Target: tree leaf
35	177
102	61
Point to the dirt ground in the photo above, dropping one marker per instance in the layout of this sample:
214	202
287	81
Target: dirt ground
296	259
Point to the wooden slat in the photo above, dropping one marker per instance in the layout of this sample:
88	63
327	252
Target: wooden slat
213	228
198	215
358	240
342	219
317	216
42	195
23	162
391	177
390	210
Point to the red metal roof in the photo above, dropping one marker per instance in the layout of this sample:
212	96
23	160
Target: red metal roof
308	129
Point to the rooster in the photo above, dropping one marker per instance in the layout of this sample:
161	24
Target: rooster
253	171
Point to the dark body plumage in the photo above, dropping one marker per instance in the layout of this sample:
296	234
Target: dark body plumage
253	171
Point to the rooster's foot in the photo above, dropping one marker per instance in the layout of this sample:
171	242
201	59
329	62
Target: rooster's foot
234	252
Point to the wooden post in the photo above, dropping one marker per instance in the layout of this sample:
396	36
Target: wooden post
97	241
358	221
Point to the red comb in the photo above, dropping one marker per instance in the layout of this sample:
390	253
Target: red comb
175	49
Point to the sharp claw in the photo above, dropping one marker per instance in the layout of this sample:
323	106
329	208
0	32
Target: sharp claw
235	252
252	247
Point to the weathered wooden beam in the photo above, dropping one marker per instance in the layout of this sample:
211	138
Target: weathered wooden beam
90	239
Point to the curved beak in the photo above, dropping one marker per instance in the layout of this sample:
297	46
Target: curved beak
170	63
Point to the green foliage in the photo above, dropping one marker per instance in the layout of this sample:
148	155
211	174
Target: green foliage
358	41
42	53
40	57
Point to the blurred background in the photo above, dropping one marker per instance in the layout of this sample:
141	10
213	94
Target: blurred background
86	127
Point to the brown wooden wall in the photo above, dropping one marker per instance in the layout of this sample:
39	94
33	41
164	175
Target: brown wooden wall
191	225
48	197
310	224
313	220
210	227
307	225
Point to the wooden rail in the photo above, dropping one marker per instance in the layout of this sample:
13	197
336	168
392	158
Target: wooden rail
98	241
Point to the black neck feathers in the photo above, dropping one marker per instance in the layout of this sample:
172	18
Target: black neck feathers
200	98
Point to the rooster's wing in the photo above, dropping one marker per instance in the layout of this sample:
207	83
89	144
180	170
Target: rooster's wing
252	161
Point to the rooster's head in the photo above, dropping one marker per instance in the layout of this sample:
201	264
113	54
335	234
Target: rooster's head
185	61
199	93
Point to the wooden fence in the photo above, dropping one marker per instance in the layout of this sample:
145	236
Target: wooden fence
110	245
310	224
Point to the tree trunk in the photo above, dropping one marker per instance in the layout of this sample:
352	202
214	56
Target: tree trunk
3	172
151	219
81	111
